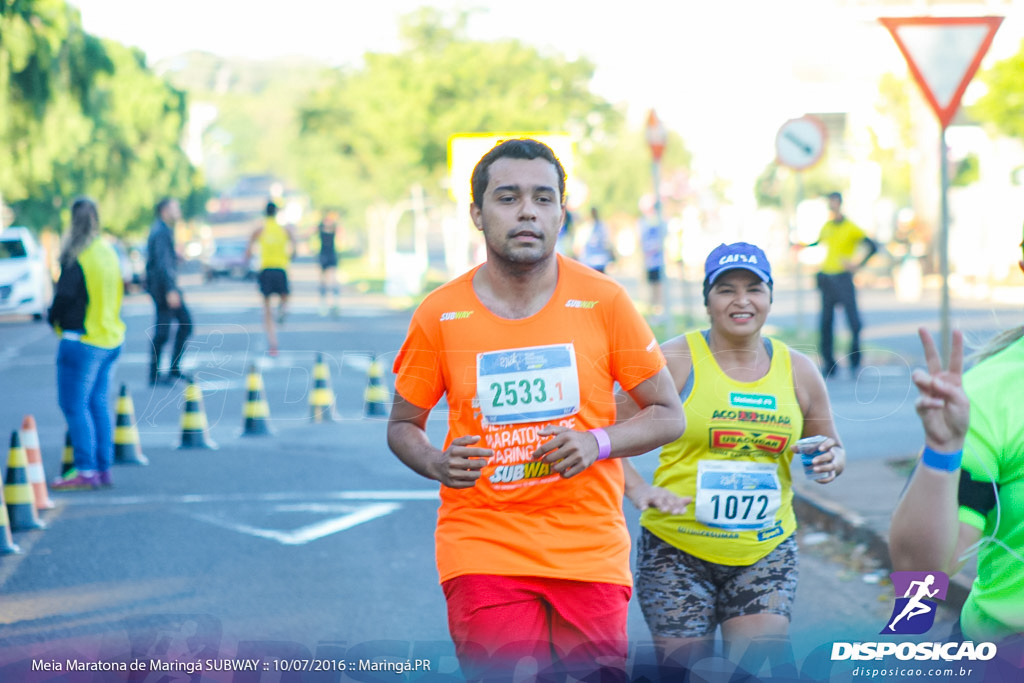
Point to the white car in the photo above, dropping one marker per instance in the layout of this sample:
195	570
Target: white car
25	284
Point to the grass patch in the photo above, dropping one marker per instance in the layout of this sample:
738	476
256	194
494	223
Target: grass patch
902	466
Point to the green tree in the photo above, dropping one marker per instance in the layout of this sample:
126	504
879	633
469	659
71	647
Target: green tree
257	102
1002	105
374	131
779	187
31	35
892	137
84	116
618	172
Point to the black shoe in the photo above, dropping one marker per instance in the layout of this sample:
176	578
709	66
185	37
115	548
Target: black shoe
161	380
176	374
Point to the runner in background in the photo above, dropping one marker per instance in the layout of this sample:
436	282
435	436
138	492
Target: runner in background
597	250
652	243
717	547
328	258
277	248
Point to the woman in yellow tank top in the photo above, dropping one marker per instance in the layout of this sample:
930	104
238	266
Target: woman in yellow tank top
717	545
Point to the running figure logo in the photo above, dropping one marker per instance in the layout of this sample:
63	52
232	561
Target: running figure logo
914	613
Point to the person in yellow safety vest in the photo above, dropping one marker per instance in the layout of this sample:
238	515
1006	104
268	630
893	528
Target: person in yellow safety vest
277	248
86	315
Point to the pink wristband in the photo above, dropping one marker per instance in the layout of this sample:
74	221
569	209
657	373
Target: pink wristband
604	444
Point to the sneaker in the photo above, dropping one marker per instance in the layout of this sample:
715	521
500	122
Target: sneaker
272	352
74	481
174	375
335	311
105	480
323	311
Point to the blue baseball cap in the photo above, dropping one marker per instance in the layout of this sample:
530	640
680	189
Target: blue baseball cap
727	257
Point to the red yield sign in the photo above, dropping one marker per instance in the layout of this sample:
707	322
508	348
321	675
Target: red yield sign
943	54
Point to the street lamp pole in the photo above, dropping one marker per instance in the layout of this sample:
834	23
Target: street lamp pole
657	136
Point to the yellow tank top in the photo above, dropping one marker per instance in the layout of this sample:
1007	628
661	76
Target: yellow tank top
733	460
273	246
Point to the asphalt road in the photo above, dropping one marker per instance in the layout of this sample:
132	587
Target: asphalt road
314	543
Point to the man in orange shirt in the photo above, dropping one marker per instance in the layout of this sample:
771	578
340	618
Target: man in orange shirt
532	545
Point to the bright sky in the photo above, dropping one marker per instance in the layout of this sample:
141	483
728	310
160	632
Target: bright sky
721	72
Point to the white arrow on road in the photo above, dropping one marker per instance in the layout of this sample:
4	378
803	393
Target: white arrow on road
350	518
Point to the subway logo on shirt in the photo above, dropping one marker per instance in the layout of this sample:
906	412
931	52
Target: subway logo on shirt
506	474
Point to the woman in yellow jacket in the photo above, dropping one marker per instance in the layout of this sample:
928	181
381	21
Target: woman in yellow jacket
86	313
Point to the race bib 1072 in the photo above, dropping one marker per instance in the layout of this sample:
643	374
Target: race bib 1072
739	496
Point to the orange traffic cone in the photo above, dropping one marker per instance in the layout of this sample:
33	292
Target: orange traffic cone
21	503
36	475
193	420
67	459
376	397
321	400
256	412
127	450
7	546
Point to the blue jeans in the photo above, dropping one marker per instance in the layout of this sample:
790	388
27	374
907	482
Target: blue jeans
83	389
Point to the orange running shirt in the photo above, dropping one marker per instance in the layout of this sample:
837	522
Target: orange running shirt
521	519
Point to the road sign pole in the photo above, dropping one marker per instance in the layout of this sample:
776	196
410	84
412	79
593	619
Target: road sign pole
943	54
799	145
798	270
659	215
657	136
944	330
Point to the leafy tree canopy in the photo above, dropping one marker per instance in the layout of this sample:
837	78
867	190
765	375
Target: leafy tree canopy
84	116
1002	105
375	130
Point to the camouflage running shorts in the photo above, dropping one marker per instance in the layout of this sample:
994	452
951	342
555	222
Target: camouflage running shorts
685	597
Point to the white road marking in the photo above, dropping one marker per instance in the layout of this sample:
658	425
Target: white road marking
198	498
310	532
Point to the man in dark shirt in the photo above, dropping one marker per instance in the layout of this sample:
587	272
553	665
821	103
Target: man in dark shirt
162	281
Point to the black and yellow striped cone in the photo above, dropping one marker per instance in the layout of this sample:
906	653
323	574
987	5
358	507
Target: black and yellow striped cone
321	399
127	450
18	495
7	546
193	420
67	459
376	396
256	412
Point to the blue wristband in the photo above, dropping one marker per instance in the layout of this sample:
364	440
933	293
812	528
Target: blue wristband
604	444
945	462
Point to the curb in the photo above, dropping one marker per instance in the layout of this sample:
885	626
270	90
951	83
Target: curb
828	516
